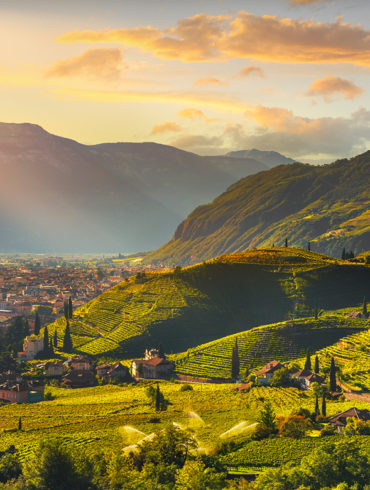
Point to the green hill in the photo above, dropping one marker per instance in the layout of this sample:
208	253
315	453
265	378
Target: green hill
328	206
285	341
187	307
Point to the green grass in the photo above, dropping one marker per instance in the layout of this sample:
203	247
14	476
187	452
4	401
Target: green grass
201	303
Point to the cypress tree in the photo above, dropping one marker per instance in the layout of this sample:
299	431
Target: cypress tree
235	361
364	309
307	364
333	376
286	243
20	423
161	353
344	254
316	312
37	324
70	308
309	246
317	367
46	341
323	405
51	349
158	399
26	328
66	310
317	410
55	339
67	341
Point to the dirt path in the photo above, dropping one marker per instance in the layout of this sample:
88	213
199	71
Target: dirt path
359	397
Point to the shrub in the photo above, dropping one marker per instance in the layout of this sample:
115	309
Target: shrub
261	432
186	388
294	426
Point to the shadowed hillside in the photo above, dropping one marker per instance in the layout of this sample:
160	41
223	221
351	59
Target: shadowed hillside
328	206
187	307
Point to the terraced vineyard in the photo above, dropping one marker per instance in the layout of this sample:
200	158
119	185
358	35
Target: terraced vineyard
352	355
198	304
283	341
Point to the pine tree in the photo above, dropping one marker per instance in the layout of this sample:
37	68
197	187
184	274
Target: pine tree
267	417
317	367
37	324
364	309
46	341
316	312
70	308
317	410
323	405
286	243
307	364
333	376
235	361
20	423
309	246
158	398
51	349
344	255
67	341
55	339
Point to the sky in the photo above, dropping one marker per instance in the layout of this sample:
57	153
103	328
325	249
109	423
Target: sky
207	76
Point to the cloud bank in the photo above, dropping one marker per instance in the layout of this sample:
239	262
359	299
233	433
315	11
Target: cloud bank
264	38
328	86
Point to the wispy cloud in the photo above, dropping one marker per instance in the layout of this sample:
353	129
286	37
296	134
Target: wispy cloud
329	86
167	127
96	63
265	38
205	82
251	70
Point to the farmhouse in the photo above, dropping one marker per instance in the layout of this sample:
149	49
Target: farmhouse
265	374
340	419
52	369
306	377
152	367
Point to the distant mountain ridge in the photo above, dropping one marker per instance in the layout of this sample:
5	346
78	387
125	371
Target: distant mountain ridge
328	206
63	196
269	158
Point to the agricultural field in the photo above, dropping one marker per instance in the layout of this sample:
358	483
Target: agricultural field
183	308
110	418
285	341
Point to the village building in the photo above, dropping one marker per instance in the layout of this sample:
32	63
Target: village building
15	389
264	375
79	378
32	345
305	377
52	369
111	373
152	367
340	419
80	363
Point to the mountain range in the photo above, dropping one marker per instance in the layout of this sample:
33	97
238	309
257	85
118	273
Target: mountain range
62	196
327	206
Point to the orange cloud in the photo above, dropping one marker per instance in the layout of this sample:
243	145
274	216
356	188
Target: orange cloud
326	87
192	114
264	38
166	127
205	82
193	39
305	2
250	70
99	62
285	40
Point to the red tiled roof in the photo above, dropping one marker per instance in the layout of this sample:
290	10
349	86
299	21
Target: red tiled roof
340	418
270	368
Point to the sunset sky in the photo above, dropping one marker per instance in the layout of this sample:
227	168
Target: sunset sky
206	76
